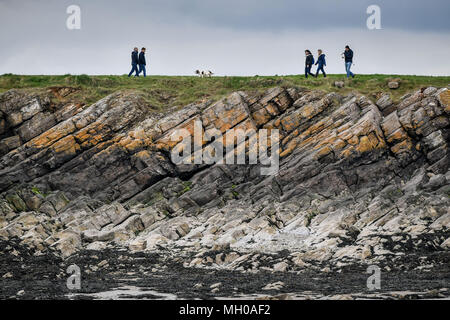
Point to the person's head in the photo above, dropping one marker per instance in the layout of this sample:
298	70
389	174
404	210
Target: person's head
143	49
307	52
347	48
319	51
136	49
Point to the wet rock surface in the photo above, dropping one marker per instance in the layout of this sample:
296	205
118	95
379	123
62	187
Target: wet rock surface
360	183
116	273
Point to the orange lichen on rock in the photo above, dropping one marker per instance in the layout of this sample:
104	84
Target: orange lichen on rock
52	135
444	98
339	144
365	145
131	144
261	116
290	122
354	140
346	153
397	135
403	146
242	130
175	136
67	146
226	113
323	152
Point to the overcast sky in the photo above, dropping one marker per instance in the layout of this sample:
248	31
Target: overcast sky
229	37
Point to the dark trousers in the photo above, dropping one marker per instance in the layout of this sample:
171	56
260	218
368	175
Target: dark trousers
308	71
320	68
134	69
142	69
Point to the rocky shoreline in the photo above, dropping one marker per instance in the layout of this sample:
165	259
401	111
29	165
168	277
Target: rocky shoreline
361	183
120	274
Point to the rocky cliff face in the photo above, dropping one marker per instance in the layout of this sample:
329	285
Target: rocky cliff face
359	182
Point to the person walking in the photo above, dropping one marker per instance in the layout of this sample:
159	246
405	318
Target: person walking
142	62
321	63
309	63
348	56
134	63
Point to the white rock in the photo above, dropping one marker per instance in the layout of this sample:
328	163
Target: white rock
215	285
138	245
393	85
280	267
274	286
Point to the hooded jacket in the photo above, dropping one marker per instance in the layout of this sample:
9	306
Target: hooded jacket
321	60
134	58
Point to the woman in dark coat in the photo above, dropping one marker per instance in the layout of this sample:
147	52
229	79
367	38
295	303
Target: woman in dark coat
321	63
309	63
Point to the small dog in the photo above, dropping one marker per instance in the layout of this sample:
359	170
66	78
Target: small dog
204	74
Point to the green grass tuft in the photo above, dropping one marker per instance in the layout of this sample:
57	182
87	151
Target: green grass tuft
162	92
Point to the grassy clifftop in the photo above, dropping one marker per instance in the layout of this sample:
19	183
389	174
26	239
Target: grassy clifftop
165	91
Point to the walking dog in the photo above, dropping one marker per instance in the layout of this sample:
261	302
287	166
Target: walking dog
204	74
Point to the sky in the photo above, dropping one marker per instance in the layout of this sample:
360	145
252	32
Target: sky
229	37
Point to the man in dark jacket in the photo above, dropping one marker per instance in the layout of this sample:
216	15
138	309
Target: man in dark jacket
309	63
321	63
134	62
142	62
348	56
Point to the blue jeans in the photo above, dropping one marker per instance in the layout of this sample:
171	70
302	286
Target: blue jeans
320	68
348	65
134	69
308	71
142	69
